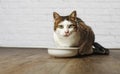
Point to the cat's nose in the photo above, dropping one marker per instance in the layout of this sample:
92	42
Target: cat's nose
66	31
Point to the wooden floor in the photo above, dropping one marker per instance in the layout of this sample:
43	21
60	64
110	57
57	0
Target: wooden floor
37	61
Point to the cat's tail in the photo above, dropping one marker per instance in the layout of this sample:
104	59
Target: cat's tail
99	49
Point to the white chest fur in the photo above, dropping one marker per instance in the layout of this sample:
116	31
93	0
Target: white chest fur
72	40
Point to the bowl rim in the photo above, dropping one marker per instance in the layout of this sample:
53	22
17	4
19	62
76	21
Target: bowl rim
63	48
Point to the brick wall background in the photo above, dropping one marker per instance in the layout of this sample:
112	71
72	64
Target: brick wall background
29	23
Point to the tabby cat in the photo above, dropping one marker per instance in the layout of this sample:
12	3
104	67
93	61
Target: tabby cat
71	31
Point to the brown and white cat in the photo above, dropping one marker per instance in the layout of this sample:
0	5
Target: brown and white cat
71	31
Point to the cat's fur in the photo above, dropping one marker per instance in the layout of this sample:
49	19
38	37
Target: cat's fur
71	31
71	40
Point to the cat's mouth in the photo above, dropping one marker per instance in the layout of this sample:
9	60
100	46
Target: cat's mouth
66	35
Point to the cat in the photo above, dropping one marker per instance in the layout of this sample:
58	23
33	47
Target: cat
71	31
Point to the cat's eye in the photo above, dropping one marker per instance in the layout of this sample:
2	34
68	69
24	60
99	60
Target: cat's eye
70	26
60	26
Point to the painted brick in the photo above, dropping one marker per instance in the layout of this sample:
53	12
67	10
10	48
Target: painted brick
29	23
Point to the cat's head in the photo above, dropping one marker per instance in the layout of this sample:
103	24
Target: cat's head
65	25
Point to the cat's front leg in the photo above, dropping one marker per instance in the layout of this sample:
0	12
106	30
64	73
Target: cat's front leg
86	51
86	48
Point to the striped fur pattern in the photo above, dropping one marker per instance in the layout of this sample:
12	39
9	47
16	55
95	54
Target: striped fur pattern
86	34
87	38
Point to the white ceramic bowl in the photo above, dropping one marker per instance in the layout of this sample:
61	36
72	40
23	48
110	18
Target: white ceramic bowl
63	51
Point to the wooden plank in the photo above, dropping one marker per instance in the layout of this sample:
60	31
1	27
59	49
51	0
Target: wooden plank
37	61
93	65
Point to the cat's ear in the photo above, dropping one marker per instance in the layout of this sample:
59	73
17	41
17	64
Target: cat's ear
73	15
56	15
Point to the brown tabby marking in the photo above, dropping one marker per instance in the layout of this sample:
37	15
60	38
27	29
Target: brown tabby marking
62	18
86	33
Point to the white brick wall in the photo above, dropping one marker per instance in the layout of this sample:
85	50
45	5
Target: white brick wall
29	23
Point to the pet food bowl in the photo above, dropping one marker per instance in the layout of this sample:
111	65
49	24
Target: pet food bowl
63	51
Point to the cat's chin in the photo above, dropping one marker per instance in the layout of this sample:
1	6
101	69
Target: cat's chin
66	35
